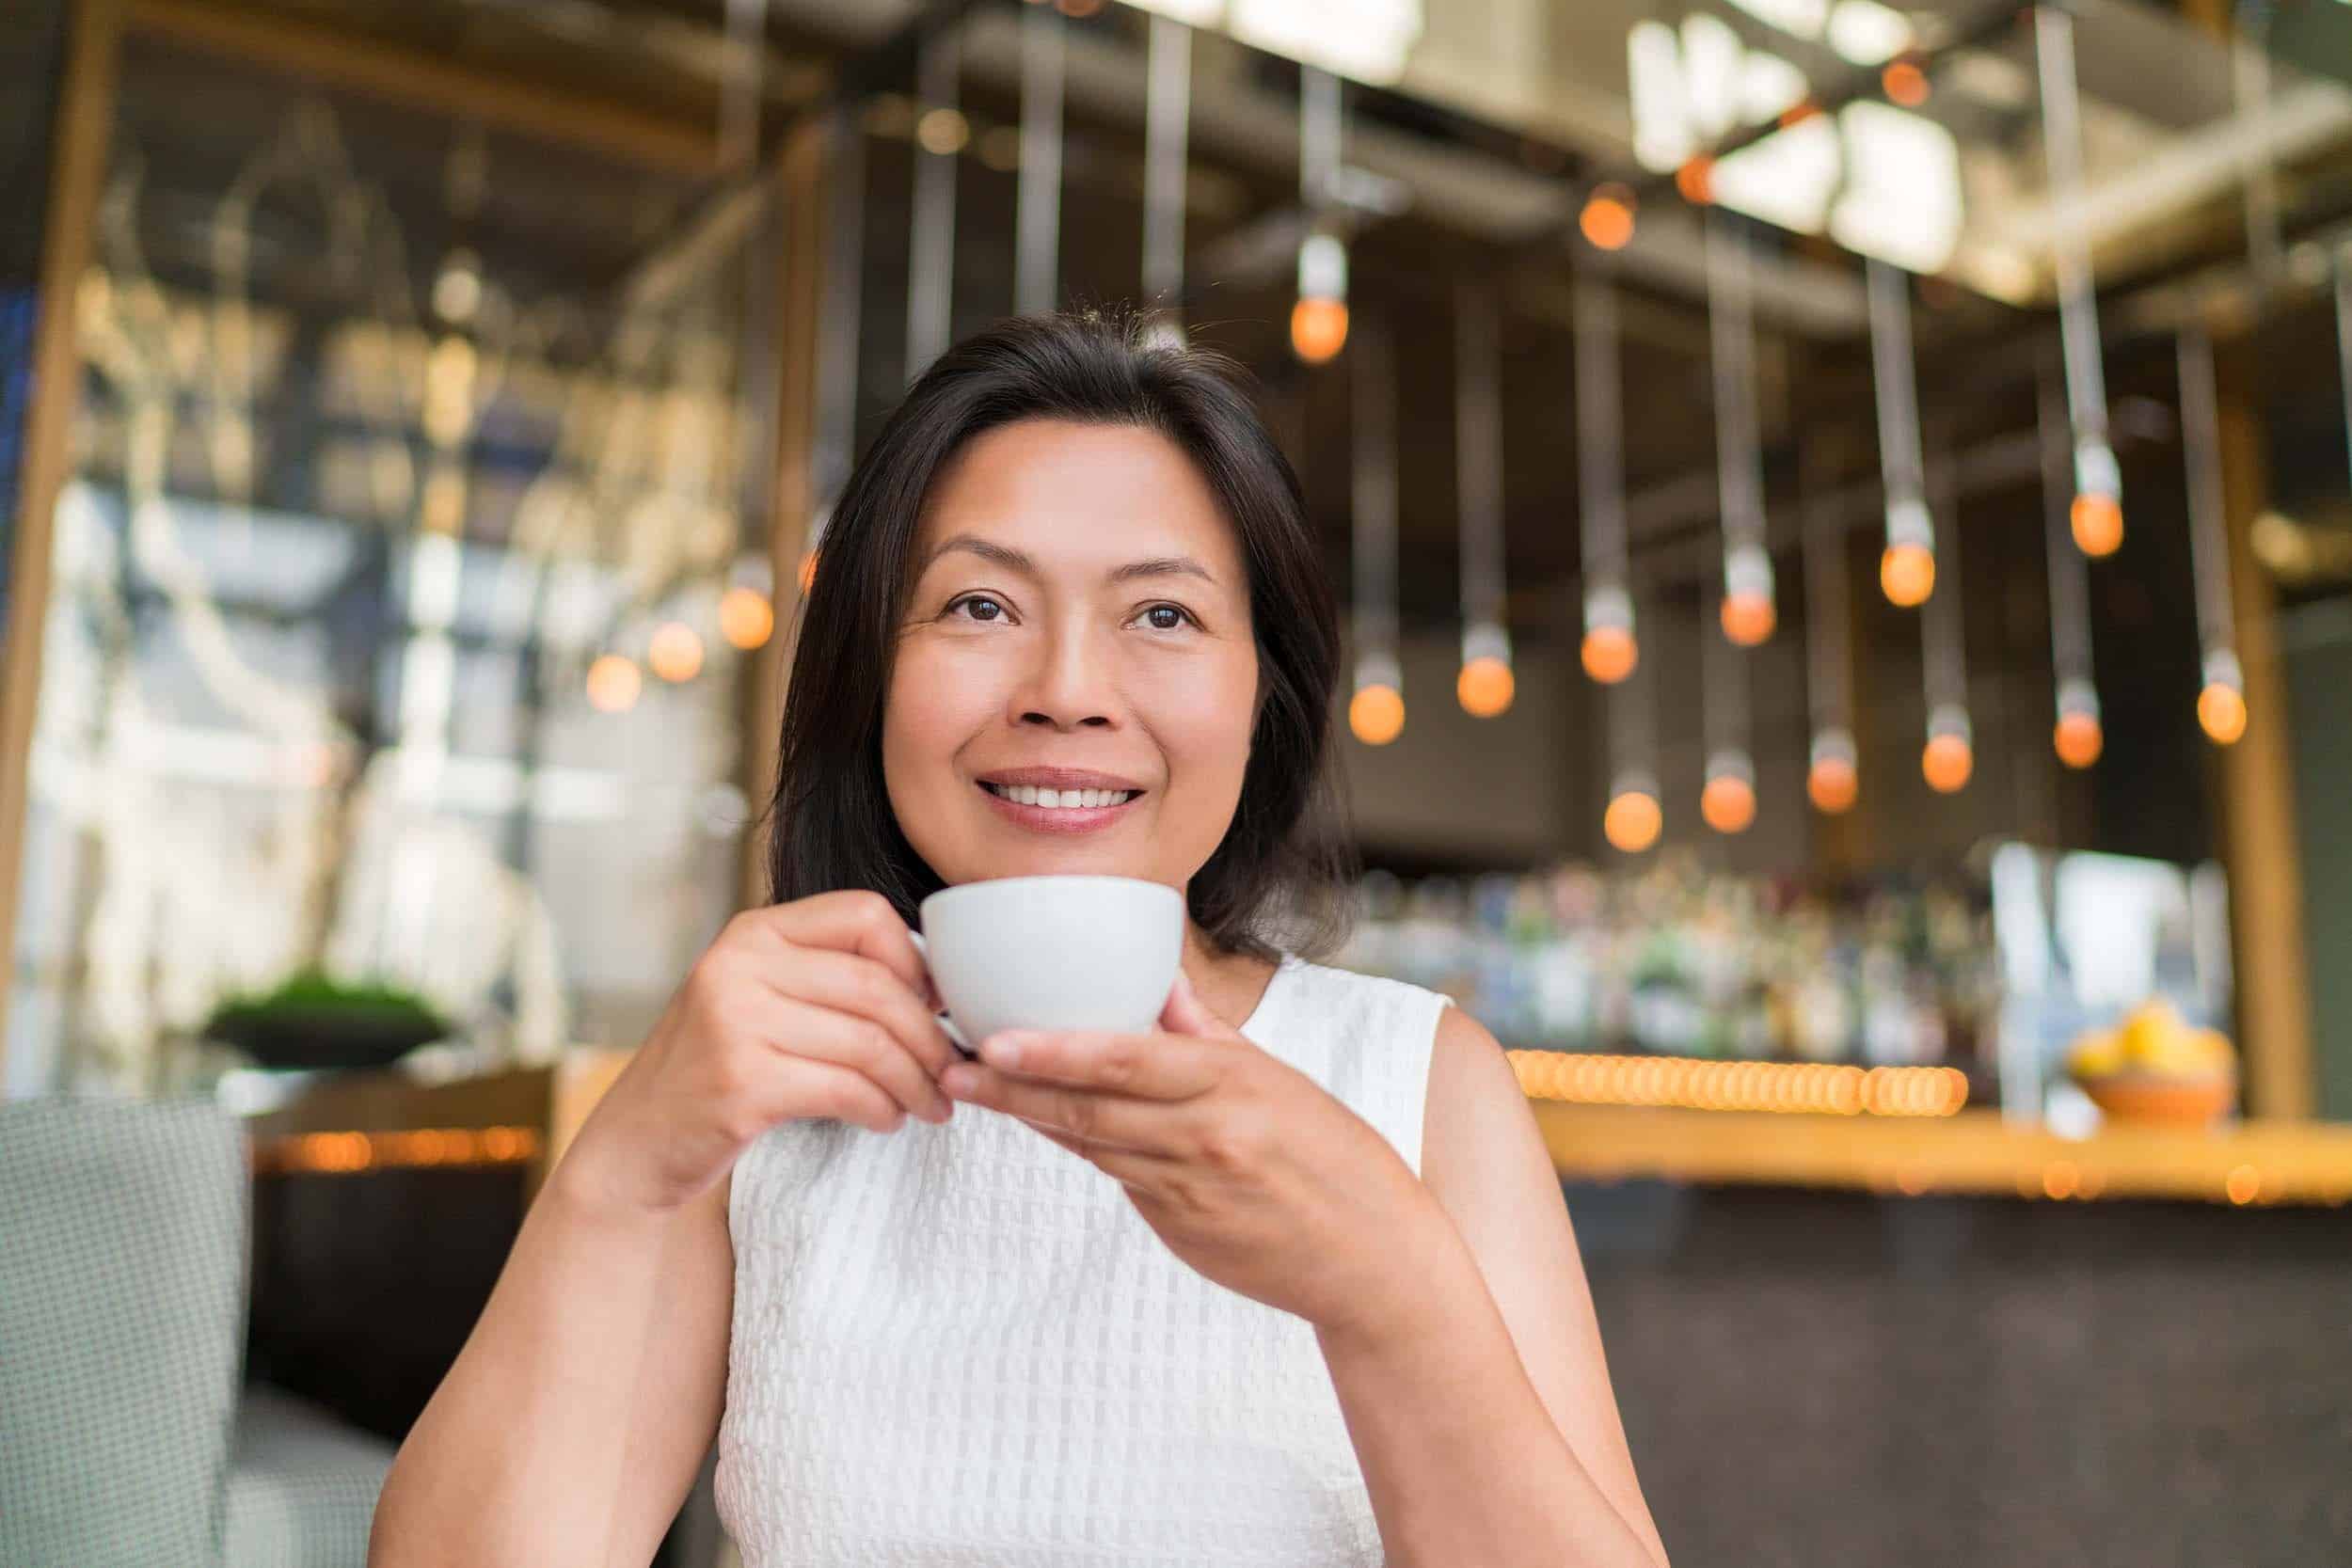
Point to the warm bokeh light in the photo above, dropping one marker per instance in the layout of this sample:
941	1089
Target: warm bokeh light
1695	1084
676	652
1485	687
2242	1184
1907	574
1749	619
1728	803
2221	712
1607	220
746	619
1318	329
2098	523
1375	715
613	683
1609	654
1906	85
808	573
1946	763
943	131
1833	786
2079	739
1798	113
1632	822
1696	180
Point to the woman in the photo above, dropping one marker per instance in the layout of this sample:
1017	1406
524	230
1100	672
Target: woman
1299	1292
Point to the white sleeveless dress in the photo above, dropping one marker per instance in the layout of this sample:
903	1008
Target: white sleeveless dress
960	1347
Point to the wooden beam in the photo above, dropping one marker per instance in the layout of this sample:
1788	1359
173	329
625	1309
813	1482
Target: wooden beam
2259	837
799	283
332	58
77	168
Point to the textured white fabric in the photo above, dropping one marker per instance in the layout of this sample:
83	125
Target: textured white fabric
960	1347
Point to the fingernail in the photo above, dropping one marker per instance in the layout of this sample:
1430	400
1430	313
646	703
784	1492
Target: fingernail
1003	1050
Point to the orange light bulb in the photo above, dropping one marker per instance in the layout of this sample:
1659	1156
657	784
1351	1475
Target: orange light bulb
1947	764
1833	786
1632	822
675	653
1607	220
1484	688
1906	85
1728	804
1907	573
1749	619
1376	713
2079	739
1696	180
746	619
613	683
1318	329
1609	654
2221	712
2098	523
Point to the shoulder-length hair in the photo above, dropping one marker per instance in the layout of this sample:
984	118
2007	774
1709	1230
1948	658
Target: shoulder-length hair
1276	880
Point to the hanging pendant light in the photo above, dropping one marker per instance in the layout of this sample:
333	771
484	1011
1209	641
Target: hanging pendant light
1319	320
1485	684
1634	818
1376	714
2222	702
2096	515
1037	219
1167	115
1608	651
1728	800
1606	219
1748	610
1907	566
931	241
1949	757
2078	737
1833	779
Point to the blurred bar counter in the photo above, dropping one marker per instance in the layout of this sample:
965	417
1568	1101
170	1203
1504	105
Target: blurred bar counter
1973	1153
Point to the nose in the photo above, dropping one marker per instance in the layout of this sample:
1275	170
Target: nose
1068	683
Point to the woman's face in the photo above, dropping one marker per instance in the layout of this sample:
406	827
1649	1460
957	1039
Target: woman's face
1079	625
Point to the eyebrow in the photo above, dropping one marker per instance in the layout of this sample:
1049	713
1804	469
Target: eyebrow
1020	561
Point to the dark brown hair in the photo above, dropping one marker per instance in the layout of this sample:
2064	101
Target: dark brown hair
1276	881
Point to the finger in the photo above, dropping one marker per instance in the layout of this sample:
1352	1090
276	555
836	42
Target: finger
1143	1172
798	1028
1139	1126
1148	1067
852	921
1185	1014
851	983
842	1093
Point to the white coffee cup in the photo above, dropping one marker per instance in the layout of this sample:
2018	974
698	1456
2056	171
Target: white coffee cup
1058	953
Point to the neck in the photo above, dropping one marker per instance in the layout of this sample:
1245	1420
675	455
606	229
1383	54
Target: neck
1229	983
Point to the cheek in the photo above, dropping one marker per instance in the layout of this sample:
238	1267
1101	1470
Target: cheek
929	712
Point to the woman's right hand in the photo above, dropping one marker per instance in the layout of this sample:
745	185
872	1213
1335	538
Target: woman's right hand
819	1007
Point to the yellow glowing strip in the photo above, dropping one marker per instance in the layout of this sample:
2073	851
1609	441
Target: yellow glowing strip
348	1153
1695	1083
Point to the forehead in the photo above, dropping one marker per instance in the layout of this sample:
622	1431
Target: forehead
1066	491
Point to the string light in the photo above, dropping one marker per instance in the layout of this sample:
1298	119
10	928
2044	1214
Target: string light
675	653
2222	702
1376	714
746	619
1319	319
1907	566
1608	651
2078	737
1949	757
613	683
1727	803
1695	1084
1607	220
1833	782
1747	610
1728	800
2097	514
1485	685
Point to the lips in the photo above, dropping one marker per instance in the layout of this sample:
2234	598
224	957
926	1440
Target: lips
1071	805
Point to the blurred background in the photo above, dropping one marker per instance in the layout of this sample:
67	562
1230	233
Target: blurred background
1845	520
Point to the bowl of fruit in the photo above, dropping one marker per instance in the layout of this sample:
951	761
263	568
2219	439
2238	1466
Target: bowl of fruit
2154	1067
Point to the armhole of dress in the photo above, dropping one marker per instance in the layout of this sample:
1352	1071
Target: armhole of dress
1417	1102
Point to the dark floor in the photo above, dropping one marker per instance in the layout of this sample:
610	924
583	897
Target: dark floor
1826	1380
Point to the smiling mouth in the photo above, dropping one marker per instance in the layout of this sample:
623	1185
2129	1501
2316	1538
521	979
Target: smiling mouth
1061	799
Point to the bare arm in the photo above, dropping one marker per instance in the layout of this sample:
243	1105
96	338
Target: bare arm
573	1421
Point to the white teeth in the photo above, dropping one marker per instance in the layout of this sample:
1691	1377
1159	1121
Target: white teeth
1061	800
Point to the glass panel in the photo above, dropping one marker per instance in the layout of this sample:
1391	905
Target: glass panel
395	429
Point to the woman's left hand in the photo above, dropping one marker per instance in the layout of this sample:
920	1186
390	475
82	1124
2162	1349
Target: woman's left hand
1247	1169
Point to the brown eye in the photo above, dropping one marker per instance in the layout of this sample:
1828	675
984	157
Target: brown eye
1165	617
984	610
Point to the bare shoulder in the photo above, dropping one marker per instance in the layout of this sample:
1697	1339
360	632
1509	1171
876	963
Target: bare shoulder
1477	1130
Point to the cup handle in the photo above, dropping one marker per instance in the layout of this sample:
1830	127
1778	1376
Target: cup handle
947	1024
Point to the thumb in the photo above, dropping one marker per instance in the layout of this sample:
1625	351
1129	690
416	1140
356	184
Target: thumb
1185	1014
